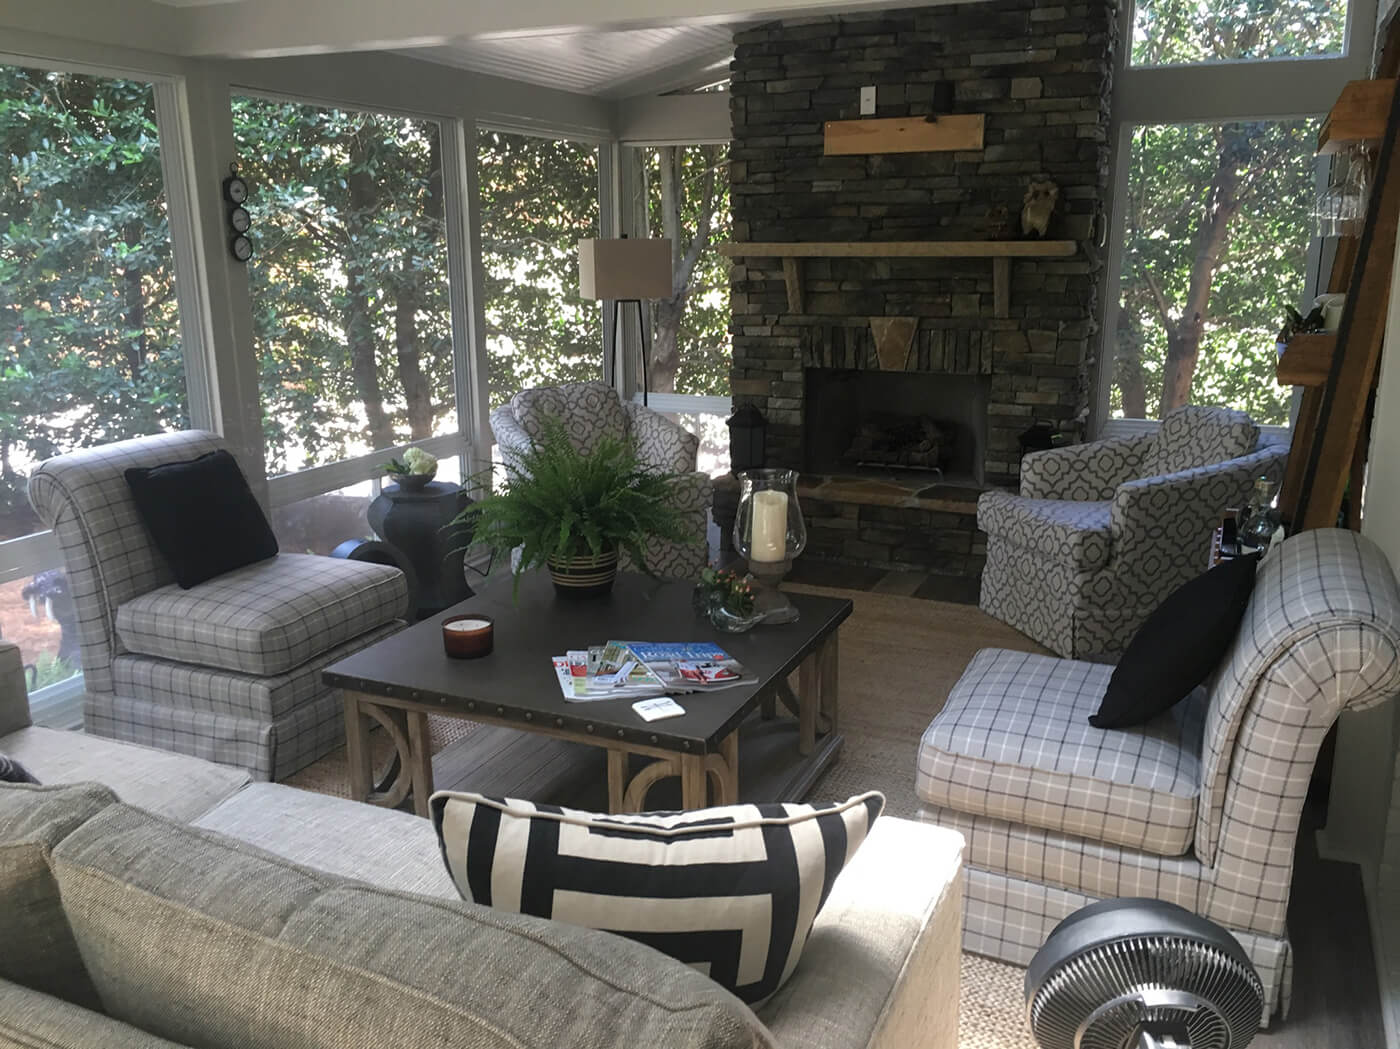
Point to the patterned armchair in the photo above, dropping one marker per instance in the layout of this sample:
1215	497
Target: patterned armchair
1102	532
591	411
229	670
1200	806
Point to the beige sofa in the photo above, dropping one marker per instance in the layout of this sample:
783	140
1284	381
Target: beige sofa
212	911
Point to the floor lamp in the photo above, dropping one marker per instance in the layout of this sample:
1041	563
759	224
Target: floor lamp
623	271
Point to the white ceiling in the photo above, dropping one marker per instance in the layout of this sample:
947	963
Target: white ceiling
608	64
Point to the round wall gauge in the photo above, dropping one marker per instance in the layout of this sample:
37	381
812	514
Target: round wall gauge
241	247
235	190
239	220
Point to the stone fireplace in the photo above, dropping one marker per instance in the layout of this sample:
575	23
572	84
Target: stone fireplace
901	351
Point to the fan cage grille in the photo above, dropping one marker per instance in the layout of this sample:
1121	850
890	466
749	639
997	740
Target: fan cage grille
1230	994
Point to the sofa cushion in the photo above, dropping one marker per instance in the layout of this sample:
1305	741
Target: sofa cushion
384	847
589	412
173	785
37	948
266	618
1013	742
1067	532
732	891
202	516
261	699
203	939
30	1020
1195	435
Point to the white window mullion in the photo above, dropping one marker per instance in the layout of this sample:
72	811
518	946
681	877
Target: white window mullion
466	290
188	251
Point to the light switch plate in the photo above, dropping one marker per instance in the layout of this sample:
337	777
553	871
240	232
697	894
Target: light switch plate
867	101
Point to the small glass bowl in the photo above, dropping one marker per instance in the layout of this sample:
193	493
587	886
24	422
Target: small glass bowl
725	621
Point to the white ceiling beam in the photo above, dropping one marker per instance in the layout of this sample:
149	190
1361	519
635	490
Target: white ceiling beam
273	28
136	24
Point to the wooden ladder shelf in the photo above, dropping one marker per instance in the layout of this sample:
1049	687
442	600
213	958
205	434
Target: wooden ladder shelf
1339	371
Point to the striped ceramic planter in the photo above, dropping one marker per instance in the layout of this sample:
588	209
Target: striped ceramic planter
587	575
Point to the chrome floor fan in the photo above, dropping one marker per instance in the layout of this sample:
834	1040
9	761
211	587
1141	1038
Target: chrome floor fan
1142	974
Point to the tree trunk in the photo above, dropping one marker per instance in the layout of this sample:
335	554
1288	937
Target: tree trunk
134	300
359	327
1184	336
668	314
417	392
1127	365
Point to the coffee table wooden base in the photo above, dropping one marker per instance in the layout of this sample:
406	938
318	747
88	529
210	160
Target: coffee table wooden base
705	779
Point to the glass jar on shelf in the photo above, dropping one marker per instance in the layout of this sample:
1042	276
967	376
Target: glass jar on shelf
1261	518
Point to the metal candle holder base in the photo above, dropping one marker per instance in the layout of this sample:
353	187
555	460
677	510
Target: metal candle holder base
768	600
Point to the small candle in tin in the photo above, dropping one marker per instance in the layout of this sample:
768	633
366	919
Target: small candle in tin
468	636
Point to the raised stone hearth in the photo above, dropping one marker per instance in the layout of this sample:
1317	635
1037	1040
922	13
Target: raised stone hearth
1004	341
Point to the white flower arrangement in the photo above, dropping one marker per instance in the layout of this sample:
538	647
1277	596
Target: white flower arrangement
415	462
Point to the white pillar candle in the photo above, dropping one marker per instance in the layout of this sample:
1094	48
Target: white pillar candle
466	626
768	527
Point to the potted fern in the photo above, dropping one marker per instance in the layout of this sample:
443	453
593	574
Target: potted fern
574	513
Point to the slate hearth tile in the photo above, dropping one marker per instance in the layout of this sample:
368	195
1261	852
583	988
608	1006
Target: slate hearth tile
813	571
960	590
903	584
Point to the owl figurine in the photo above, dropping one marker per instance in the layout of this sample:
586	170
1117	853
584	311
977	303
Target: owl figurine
1041	197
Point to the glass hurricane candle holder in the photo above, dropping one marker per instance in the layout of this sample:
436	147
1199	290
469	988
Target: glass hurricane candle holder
769	532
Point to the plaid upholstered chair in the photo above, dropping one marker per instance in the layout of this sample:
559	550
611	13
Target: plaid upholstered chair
591	411
1199	807
229	670
1102	532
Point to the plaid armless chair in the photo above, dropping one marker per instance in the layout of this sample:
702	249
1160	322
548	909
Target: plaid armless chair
230	670
1199	807
1102	532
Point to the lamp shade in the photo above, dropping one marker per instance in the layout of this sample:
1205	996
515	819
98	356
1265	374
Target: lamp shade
624	269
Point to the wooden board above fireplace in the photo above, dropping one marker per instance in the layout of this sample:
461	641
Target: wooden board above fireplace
1001	252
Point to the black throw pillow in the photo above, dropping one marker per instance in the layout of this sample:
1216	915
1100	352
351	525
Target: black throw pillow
1178	646
202	516
11	771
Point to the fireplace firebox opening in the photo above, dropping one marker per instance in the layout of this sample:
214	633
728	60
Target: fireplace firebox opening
895	424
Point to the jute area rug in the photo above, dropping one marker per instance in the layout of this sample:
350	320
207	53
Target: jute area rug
899	658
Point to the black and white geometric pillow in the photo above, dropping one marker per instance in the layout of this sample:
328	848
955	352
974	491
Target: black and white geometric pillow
11	771
731	891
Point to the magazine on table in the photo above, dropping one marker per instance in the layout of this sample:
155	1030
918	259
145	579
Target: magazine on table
605	672
688	666
643	669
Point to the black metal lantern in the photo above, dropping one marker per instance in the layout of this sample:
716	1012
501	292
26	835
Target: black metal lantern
748	439
1040	437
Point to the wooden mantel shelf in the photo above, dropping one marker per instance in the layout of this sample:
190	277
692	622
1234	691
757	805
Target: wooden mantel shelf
1001	252
905	249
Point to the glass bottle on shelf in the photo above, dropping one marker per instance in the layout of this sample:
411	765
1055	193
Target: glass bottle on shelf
1261	518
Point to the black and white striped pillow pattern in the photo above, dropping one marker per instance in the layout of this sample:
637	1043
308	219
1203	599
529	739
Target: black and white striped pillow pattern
11	771
731	891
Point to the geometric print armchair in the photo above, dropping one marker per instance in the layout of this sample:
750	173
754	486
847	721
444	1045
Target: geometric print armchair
228	670
1200	806
1102	532
592	411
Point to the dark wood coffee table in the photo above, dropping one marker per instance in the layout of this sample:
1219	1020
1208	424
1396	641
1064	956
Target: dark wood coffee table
399	681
